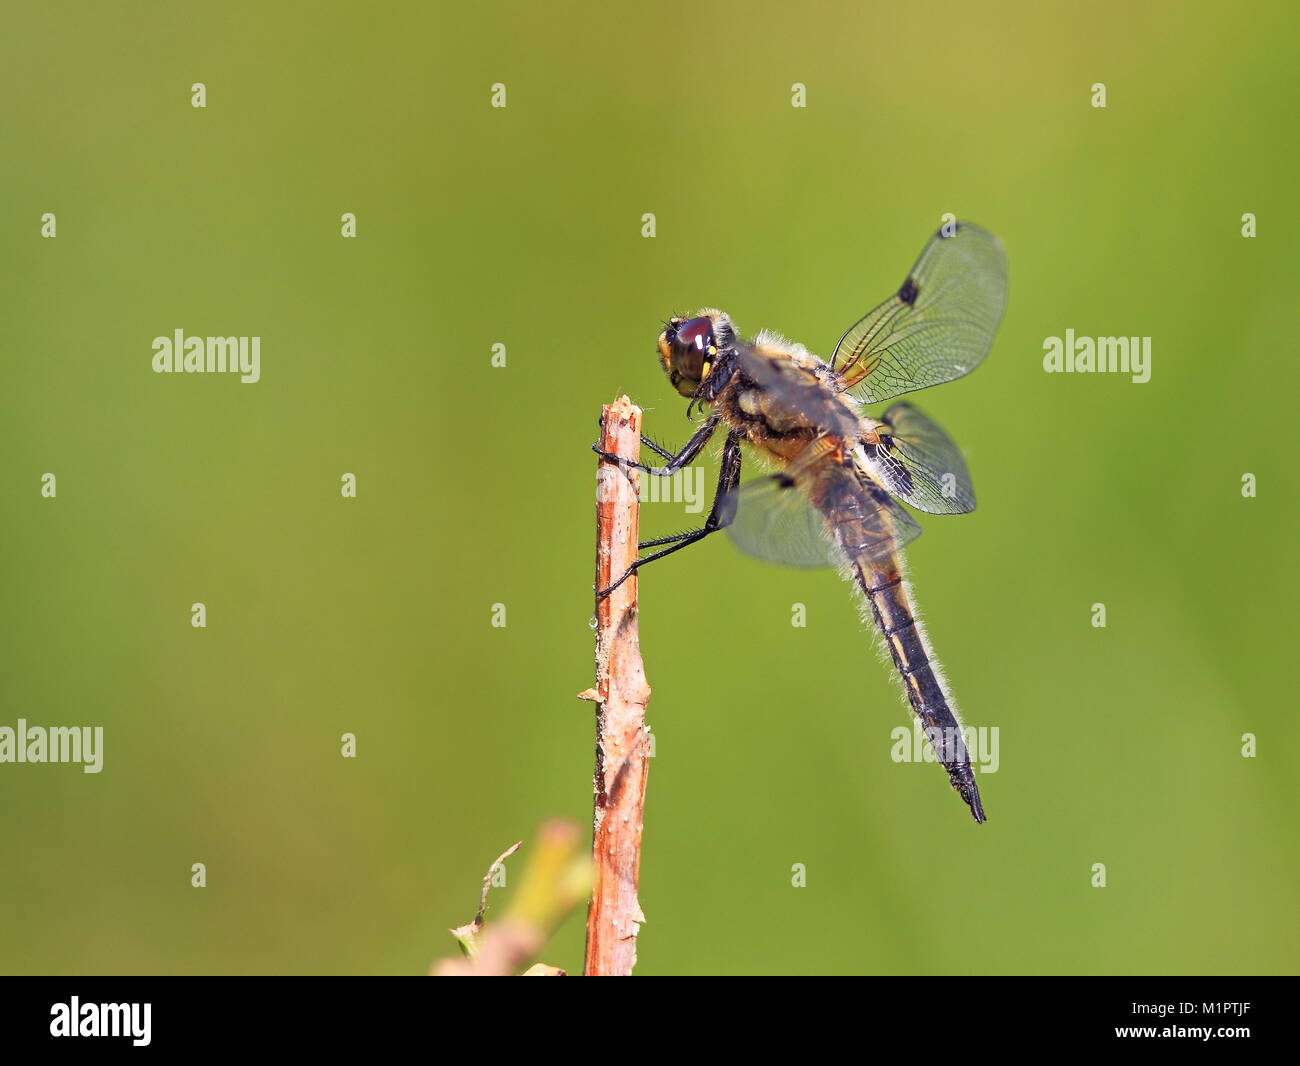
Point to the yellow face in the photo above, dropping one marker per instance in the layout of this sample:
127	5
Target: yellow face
688	347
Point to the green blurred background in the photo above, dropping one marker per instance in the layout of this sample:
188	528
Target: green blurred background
522	226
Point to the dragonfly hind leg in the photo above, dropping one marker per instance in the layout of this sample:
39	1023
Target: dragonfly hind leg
720	515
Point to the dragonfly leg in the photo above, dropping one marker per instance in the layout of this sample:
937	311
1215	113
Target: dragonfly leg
657	449
683	458
720	515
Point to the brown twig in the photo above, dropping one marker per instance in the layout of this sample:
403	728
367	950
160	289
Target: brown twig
614	916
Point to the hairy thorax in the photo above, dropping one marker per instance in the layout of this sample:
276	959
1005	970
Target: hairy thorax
798	403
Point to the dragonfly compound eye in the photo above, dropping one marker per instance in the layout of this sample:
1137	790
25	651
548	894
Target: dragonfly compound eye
685	349
696	334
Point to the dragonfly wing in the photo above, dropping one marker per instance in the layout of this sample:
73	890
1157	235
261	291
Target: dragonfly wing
777	521
918	462
938	326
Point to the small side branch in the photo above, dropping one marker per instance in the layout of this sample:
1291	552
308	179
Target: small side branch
622	742
553	882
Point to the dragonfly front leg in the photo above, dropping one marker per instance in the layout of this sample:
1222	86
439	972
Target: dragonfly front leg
676	462
720	515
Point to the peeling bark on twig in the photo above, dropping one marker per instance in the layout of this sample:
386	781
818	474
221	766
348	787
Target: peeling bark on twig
622	749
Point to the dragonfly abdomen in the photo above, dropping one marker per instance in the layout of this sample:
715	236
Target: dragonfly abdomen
866	532
886	592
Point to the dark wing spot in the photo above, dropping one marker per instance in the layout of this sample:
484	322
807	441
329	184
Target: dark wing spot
902	477
897	478
785	481
908	292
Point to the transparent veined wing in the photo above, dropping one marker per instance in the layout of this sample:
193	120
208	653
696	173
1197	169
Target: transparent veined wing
821	516
918	462
938	326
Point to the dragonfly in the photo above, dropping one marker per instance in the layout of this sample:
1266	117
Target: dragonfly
838	475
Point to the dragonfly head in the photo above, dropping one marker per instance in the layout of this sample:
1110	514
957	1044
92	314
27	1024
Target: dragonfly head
689	348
